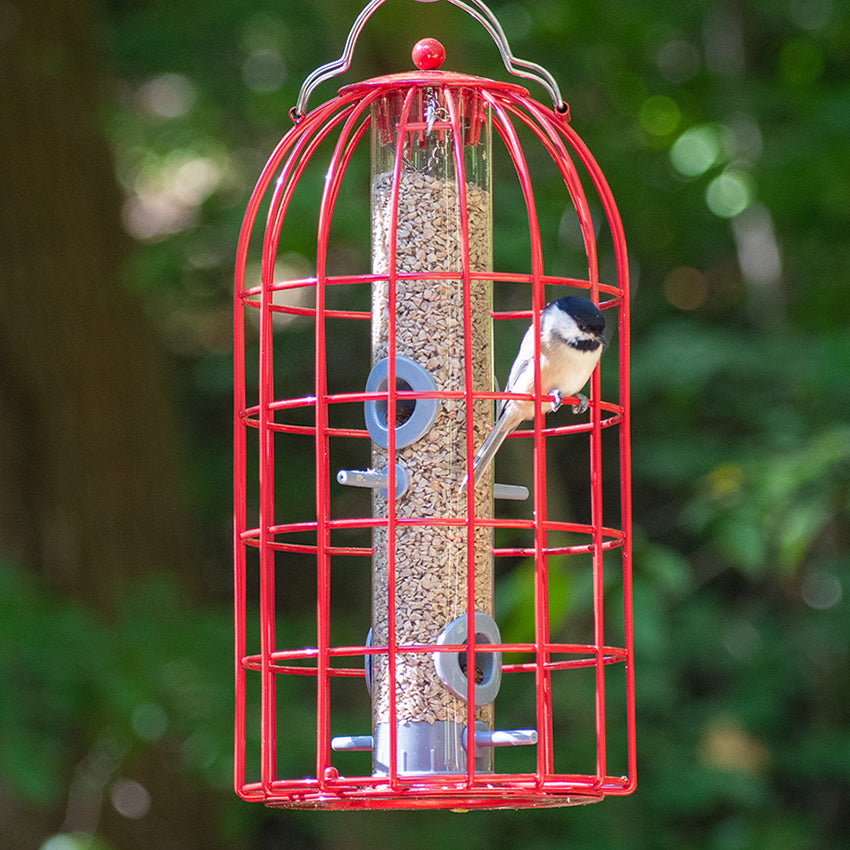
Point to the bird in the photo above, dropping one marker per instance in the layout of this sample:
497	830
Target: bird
572	339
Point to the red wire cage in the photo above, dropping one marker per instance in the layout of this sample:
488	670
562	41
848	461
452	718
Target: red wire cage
312	699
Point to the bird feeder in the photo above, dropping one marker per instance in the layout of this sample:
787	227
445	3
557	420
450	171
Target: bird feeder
498	617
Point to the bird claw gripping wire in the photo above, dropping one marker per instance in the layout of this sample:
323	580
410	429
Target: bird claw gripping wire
582	405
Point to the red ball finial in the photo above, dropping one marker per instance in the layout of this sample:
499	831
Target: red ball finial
428	54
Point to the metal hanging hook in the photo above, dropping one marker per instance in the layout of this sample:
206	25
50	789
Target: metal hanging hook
478	11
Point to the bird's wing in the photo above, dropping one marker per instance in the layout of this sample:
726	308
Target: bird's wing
522	370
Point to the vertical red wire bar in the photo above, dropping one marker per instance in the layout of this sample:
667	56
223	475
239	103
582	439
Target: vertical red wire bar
543	685
392	277
465	270
239	522
336	169
323	591
541	559
598	569
240	509
240	489
626	511
266	481
621	259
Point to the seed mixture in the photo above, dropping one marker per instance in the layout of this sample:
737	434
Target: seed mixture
431	561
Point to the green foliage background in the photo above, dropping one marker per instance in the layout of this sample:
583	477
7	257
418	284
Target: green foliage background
741	395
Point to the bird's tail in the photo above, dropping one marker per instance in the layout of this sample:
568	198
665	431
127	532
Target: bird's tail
484	455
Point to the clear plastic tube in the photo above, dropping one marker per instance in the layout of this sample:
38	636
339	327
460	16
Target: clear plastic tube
441	213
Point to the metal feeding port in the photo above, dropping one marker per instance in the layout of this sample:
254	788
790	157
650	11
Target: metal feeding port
411	715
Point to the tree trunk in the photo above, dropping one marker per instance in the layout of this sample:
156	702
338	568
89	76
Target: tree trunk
91	487
88	459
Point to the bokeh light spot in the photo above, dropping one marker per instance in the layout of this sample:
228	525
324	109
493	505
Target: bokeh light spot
167	96
821	590
696	150
686	288
678	61
660	115
730	193
811	14
149	721
130	798
264	71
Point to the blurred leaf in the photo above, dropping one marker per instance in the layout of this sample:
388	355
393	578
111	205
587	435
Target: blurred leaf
516	599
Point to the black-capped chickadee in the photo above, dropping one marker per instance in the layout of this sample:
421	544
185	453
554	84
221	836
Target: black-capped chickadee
571	342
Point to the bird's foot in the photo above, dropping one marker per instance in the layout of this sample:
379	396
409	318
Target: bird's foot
582	404
556	399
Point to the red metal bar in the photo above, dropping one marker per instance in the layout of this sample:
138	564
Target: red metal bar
339	162
267	574
545	747
392	400
465	278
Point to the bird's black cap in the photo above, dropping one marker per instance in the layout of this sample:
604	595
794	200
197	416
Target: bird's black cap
586	314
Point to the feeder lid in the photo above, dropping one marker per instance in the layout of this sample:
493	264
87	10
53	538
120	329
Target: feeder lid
433	78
